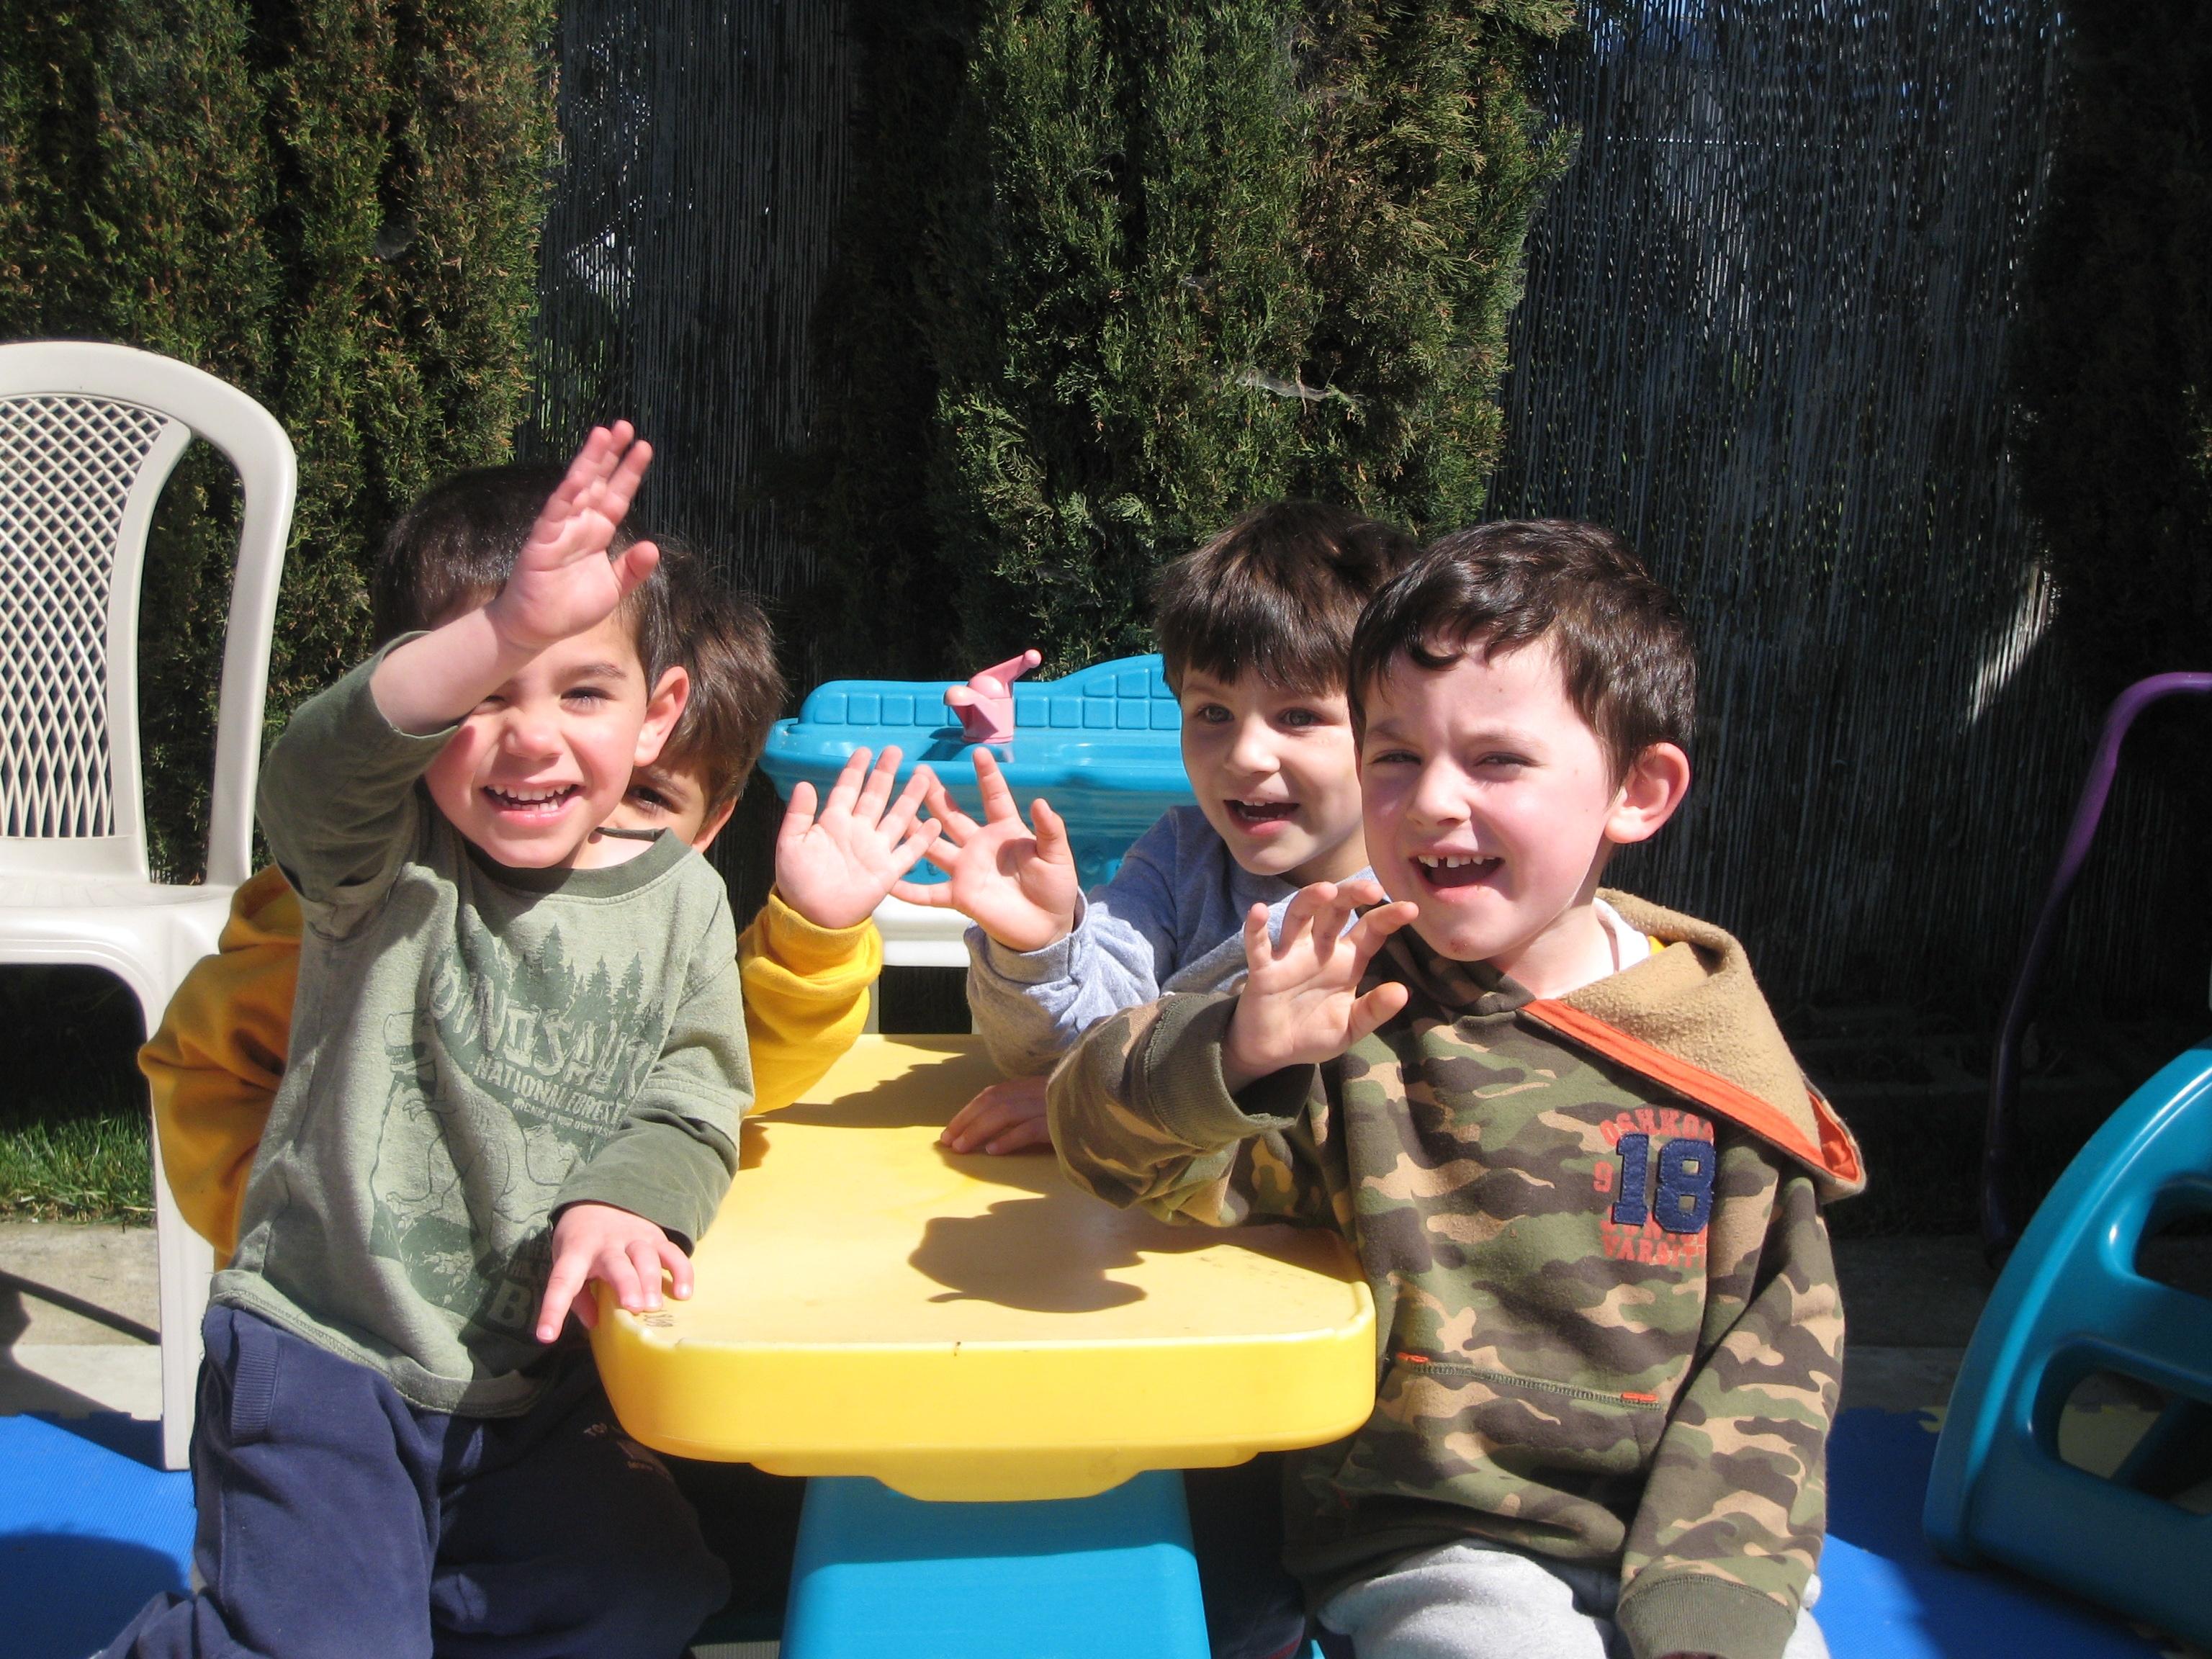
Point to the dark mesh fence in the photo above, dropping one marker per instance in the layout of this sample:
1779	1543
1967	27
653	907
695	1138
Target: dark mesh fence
704	148
1764	335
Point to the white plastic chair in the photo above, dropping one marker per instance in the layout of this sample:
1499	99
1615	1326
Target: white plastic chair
89	436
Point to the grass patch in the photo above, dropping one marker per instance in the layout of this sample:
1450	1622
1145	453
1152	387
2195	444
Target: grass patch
73	1124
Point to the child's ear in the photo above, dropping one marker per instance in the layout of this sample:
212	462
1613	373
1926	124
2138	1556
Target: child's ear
1656	781
713	826
662	710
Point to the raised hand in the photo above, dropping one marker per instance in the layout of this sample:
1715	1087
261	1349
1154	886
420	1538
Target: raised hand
1301	1003
563	582
625	1252
1020	888
836	867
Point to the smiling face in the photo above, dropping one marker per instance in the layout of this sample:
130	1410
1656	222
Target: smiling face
1276	774
1492	805
544	760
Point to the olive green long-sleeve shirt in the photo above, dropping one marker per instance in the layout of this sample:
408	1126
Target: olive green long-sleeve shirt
473	1047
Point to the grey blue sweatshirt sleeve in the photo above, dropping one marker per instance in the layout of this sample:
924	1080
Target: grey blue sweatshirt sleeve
1177	902
1029	1007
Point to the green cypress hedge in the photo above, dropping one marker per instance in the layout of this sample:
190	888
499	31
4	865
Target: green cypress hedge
1139	265
2113	366
333	204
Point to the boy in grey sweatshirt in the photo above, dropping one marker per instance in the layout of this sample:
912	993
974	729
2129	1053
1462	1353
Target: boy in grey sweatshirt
1255	627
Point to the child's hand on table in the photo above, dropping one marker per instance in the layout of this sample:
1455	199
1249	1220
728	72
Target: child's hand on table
626	1252
1021	888
836	867
1006	1117
1301	1003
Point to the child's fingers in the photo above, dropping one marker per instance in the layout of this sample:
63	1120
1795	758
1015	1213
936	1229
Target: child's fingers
1020	1137
1360	892
877	788
1371	1011
616	1268
1000	1111
1368	932
628	473
998	800
904	855
679	1269
1300	914
899	818
635	564
930	894
846	789
958	826
1259	952
957	1131
1052	840
642	1255
798	817
591	463
567	1278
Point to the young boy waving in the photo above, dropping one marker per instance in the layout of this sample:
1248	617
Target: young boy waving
517	1067
1559	1128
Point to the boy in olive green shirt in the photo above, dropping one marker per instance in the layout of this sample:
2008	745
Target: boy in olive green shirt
518	1064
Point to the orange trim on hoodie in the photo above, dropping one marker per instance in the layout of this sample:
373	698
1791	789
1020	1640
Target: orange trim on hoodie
1739	1105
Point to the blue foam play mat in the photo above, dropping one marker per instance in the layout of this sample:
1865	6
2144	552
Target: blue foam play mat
89	1530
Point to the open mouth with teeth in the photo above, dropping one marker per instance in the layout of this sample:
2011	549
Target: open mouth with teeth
1448	870
1262	811
533	803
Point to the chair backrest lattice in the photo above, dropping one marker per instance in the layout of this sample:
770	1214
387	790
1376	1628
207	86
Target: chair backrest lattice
89	433
71	469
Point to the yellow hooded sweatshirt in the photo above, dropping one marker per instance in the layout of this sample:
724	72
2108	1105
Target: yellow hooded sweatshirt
214	1064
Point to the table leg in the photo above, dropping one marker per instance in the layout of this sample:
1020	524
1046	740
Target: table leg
1103	1577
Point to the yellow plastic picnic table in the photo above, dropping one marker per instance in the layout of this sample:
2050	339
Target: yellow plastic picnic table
973	1328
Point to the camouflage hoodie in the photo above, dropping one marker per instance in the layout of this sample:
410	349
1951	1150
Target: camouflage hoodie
1591	1224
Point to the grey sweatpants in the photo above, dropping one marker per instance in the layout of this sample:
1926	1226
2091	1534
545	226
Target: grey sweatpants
1476	1600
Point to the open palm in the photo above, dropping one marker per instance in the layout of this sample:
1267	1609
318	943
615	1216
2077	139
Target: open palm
836	866
1020	887
1301	1003
564	583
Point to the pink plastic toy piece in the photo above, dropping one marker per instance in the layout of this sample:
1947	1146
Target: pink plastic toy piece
985	704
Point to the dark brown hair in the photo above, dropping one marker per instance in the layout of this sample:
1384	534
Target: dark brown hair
1622	640
456	546
1276	594
737	690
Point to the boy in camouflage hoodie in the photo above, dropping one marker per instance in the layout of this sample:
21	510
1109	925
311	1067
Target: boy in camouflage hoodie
1559	1128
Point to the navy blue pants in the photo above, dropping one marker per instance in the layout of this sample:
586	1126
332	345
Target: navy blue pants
337	1519
1253	1609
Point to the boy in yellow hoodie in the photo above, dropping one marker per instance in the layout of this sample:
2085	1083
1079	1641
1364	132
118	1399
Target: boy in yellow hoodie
807	961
